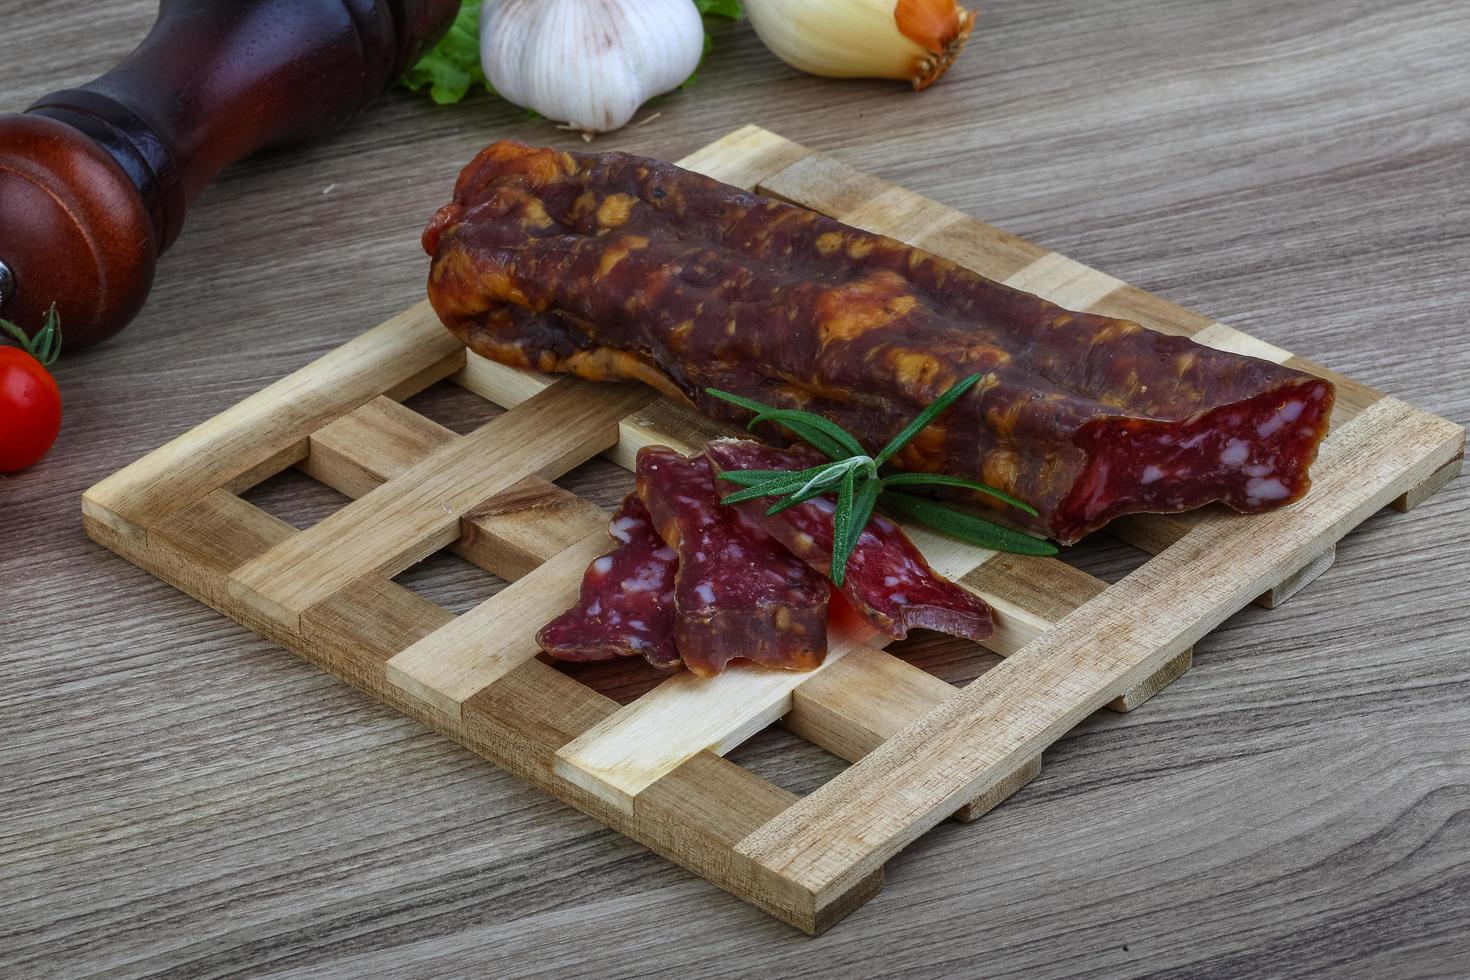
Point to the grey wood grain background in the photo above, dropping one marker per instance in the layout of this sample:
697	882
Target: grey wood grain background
179	796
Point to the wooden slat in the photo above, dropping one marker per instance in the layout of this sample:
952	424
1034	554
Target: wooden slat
473	651
371	445
405	353
419	511
1431	486
865	815
631	750
745	157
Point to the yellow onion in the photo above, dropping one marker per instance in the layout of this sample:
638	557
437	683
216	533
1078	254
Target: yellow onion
910	39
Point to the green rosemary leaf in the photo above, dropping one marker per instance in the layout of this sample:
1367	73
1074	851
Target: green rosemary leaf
841	522
805	425
944	480
777	487
798	498
749	478
793	418
739	400
862	511
928	415
966	527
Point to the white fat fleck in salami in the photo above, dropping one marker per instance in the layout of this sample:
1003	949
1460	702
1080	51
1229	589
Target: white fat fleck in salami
625	607
1236	452
621	528
1262	489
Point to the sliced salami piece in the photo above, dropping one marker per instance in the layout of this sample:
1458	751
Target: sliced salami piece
737	593
626	608
887	579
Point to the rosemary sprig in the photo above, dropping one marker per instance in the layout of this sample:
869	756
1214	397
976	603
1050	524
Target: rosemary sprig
854	477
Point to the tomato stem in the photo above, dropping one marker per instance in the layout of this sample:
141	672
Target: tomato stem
46	344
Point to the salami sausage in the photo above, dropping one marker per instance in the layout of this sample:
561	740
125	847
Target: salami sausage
887	579
737	592
626	607
616	267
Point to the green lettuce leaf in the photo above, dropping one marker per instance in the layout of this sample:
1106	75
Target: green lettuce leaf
452	67
720	8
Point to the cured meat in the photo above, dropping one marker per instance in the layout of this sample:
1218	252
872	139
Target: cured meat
737	592
626	607
887	579
616	267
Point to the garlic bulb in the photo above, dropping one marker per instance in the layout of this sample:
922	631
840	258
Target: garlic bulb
912	39
588	63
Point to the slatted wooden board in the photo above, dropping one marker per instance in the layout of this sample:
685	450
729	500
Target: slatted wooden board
653	769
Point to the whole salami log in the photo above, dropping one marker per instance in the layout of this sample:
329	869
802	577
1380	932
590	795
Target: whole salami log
626	606
887	579
737	592
614	267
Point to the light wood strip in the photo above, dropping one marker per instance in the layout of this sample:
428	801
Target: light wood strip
632	749
1064	281
866	814
513	532
419	511
473	651
1153	533
410	347
745	157
622	757
1222	337
1433	485
370	445
900	213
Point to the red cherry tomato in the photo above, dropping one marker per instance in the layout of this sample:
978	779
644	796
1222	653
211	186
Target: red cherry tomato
30	406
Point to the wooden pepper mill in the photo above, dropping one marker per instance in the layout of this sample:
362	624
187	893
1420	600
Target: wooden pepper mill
95	181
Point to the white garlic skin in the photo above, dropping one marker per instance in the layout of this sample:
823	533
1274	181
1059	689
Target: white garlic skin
589	63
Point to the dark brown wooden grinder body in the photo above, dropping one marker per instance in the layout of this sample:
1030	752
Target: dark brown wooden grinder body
95	181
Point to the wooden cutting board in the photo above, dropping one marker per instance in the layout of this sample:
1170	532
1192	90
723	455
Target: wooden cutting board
653	769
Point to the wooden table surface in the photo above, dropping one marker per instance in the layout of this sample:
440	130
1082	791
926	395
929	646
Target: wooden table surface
178	795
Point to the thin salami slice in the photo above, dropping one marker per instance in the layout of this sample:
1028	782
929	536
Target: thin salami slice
626	608
737	592
887	579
